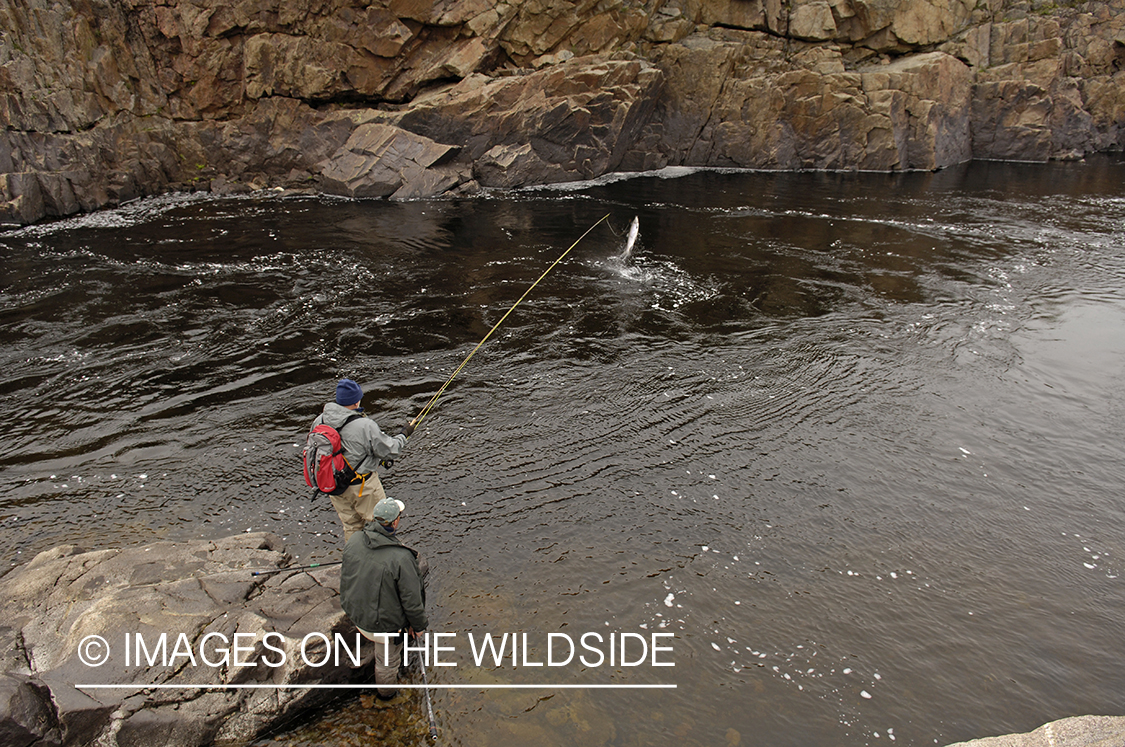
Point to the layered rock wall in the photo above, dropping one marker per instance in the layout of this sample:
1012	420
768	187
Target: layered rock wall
106	100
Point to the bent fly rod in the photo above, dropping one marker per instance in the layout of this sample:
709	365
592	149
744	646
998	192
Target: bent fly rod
429	405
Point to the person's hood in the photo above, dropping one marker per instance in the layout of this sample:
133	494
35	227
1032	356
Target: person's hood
336	415
375	535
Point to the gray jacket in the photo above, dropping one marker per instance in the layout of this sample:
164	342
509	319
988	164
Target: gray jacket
364	442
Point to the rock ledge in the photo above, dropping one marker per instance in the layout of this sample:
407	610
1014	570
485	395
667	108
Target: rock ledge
1078	731
167	615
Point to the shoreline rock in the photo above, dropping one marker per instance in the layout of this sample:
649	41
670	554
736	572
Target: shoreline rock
1077	731
198	595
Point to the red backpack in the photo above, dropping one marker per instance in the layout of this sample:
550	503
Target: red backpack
326	469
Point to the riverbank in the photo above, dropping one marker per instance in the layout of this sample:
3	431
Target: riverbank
209	651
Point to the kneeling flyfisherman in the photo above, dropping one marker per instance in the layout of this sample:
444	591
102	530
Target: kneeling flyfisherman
382	590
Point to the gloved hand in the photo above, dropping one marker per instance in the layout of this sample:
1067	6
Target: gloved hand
407	430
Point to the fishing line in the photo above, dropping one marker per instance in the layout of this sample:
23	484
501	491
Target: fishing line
429	405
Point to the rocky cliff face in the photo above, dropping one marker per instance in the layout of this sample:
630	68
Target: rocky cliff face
106	100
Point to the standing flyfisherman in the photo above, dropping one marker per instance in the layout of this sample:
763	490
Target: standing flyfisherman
365	445
382	590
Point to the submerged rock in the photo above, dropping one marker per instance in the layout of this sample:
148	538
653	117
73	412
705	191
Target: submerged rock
162	620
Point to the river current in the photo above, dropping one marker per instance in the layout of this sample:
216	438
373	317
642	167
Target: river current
855	440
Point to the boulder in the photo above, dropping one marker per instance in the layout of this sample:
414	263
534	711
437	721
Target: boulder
162	621
578	117
812	21
1078	731
920	24
380	160
926	101
21	197
509	166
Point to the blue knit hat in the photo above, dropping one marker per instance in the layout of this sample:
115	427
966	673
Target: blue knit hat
348	393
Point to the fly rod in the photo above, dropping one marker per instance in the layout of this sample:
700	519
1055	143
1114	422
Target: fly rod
297	568
429	705
429	405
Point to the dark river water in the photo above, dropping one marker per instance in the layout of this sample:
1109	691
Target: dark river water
855	440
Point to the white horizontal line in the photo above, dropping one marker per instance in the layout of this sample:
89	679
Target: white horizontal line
372	687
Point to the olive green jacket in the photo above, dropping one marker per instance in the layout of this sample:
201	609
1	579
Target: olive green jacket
381	585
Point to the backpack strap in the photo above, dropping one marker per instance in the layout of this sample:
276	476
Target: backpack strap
340	430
